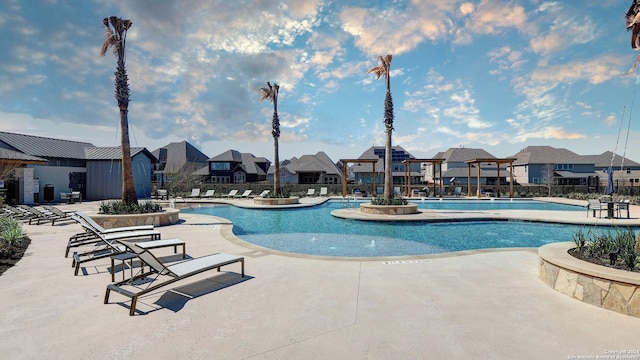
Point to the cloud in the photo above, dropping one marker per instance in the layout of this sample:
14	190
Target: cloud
396	31
566	28
489	17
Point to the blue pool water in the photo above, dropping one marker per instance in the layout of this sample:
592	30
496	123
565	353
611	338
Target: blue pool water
314	231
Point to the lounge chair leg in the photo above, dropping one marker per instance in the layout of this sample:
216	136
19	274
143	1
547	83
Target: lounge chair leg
106	296
132	310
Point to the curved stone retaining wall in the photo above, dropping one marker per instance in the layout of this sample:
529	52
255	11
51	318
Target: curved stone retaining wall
276	201
389	209
166	217
609	288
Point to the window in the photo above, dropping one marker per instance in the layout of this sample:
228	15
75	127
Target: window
220	166
220	179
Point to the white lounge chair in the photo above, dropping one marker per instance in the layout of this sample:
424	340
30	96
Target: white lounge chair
311	192
195	193
209	194
263	193
246	194
323	191
231	193
174	272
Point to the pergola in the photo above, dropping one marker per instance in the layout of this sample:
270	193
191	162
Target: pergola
489	161
345	162
407	173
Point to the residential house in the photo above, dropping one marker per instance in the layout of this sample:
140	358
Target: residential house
308	169
178	159
234	167
363	172
546	164
626	172
455	168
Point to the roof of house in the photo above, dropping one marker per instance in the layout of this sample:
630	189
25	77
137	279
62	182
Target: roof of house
549	155
463	154
12	156
113	153
42	146
604	160
248	162
179	155
320	162
229	155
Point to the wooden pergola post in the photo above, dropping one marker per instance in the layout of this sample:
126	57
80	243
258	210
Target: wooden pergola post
478	163
345	163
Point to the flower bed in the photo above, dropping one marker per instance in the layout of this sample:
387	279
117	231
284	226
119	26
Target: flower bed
602	286
389	209
163	218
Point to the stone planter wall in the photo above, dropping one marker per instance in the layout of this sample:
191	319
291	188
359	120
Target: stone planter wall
389	209
609	288
166	217
276	201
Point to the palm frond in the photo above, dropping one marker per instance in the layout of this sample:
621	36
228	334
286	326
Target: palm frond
266	94
108	42
378	71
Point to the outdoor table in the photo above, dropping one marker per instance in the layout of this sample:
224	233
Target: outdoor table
610	208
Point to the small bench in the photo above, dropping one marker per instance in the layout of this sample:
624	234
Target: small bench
153	244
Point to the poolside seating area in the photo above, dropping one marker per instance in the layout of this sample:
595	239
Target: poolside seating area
129	247
614	209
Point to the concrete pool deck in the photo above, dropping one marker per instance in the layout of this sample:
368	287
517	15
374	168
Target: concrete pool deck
474	304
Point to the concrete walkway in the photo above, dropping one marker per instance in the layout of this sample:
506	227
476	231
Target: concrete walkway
471	305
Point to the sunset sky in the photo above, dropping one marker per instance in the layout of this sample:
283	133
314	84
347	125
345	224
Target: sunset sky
492	74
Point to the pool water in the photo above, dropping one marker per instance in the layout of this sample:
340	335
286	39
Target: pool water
314	231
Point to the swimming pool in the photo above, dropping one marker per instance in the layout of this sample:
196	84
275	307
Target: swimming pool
314	231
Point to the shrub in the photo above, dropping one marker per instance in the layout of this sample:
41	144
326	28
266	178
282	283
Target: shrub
117	207
11	235
597	246
282	194
11	231
379	200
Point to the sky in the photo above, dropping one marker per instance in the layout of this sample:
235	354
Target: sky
492	74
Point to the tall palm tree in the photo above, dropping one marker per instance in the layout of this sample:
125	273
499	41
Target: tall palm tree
116	35
384	70
271	93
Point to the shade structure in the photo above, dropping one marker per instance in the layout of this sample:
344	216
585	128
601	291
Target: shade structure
609	180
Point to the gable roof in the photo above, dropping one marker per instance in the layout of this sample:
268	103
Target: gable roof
604	160
179	154
42	146
113	153
549	155
463	154
229	155
320	162
247	161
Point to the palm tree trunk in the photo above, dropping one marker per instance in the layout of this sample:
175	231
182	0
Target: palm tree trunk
388	180
276	167
128	189
122	95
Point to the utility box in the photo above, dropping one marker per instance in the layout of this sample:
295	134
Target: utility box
48	193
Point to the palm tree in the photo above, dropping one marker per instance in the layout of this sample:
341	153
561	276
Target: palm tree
116	37
384	70
271	94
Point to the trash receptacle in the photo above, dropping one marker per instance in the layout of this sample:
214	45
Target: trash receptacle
48	193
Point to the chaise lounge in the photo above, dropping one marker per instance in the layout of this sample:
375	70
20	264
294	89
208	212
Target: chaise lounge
175	272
